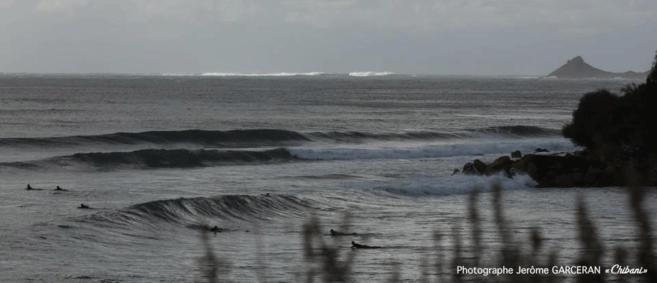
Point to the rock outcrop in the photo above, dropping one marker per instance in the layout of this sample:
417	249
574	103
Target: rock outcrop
564	170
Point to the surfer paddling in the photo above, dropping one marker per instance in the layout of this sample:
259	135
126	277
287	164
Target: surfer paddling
338	233
30	188
216	229
355	245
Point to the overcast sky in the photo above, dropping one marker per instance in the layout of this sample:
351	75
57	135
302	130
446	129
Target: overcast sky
478	37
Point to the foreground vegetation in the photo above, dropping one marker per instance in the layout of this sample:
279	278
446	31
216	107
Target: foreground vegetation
326	262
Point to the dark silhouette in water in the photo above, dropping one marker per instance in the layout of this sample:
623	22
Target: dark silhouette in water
58	188
84	206
355	245
337	233
30	188
216	229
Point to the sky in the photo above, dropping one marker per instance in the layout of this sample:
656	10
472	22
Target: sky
466	37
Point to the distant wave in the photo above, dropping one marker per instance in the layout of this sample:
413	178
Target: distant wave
157	158
370	74
266	137
192	210
283	74
201	137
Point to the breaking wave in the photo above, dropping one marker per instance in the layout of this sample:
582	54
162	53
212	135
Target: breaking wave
188	211
429	151
370	74
190	158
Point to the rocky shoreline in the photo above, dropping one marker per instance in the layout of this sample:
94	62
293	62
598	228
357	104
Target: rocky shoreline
564	169
618	134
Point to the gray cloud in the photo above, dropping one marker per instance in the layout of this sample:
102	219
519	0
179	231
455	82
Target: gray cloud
421	36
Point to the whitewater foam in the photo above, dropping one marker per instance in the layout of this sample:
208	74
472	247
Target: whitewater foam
431	151
370	74
419	186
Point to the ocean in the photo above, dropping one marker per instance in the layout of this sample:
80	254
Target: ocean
156	157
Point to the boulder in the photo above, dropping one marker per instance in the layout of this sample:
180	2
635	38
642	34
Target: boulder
476	167
501	164
578	169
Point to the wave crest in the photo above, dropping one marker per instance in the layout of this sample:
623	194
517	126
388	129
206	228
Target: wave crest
249	137
158	158
265	137
194	210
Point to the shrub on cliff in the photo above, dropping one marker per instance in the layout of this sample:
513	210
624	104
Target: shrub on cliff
619	128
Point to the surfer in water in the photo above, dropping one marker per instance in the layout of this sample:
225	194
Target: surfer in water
216	229
58	188
355	245
337	233
30	188
84	206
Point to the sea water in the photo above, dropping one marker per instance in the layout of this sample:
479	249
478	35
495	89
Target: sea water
158	157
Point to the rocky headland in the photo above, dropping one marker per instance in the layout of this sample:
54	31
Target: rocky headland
618	134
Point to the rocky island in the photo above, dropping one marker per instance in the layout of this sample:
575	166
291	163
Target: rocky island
618	134
577	68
